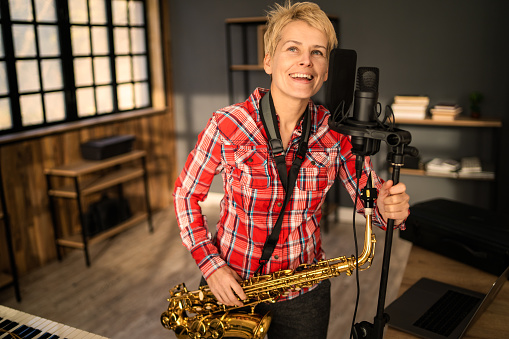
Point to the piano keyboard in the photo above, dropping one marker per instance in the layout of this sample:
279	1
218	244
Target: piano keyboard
16	324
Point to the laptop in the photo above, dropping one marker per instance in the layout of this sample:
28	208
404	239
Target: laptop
436	310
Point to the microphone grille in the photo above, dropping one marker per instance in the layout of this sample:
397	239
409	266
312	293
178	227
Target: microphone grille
367	79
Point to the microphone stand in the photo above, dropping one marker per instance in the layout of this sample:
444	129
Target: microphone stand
366	329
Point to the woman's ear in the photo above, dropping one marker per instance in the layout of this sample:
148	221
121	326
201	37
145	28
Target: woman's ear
267	64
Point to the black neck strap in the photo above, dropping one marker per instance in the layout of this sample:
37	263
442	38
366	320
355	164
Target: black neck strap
269	119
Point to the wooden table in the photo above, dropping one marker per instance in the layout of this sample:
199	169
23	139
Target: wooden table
493	323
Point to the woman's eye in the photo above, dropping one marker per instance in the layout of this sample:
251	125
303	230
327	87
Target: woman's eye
292	49
317	52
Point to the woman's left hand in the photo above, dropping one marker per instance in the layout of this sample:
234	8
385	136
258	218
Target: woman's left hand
393	202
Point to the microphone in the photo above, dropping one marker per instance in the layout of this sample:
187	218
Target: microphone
364	113
364	127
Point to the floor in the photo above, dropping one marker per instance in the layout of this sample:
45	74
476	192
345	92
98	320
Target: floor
123	293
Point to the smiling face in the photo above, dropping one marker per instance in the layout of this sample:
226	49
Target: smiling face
299	65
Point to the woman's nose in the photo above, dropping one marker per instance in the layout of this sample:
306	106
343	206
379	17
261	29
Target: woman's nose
305	60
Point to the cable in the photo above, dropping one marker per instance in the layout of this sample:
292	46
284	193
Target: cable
356	256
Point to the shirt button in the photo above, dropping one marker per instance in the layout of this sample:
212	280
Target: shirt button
313	163
279	204
276	256
250	160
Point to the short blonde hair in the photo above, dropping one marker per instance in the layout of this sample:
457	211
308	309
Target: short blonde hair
309	12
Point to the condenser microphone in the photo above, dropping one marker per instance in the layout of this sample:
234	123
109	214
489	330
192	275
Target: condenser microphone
340	85
364	111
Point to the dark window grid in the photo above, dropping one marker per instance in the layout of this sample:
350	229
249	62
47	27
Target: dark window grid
91	55
36	24
129	26
12	76
66	57
111	46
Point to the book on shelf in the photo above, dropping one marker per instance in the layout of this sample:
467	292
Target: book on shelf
409	115
412	99
410	107
445	112
442	165
444	117
446	107
473	168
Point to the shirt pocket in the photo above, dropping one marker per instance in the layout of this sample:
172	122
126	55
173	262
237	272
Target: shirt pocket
250	166
313	174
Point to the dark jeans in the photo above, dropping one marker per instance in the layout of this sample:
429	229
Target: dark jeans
304	317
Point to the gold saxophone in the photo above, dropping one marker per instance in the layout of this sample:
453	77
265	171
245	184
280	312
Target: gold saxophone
198	314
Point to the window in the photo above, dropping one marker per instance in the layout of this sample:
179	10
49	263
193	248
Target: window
86	59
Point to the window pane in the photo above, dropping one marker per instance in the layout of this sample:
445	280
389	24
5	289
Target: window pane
45	10
28	76
100	40
104	99
86	102
83	71
5	113
24	40
140	68
51	74
142	94
55	106
123	68
102	71
119	8
31	109
21	10
136	13
121	40
80	37
125	97
48	41
78	12
97	12
4	84
138	40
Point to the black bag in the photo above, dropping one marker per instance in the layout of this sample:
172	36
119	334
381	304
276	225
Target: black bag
106	213
472	235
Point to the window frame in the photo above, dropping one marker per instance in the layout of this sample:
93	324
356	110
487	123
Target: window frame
152	32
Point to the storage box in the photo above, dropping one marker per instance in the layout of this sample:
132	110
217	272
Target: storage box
469	234
99	149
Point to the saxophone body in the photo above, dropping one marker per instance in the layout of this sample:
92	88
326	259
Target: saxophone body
197	314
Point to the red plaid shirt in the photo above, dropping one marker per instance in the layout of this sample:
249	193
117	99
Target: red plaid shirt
234	144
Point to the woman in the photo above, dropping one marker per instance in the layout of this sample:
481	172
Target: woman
298	42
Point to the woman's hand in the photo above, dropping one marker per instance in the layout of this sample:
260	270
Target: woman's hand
224	284
393	202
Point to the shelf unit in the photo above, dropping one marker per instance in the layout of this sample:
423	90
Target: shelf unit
246	66
11	278
90	177
462	122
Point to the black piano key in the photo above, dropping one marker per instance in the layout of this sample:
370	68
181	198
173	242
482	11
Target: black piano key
9	325
32	334
45	336
20	330
5	323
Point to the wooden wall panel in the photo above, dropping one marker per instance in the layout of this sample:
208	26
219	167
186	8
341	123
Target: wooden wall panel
23	163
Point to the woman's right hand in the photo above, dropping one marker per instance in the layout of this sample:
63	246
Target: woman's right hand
224	284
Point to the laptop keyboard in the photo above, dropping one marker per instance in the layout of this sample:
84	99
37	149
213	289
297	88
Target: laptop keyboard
447	313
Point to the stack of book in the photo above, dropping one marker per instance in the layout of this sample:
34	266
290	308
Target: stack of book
445	112
440	165
410	106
